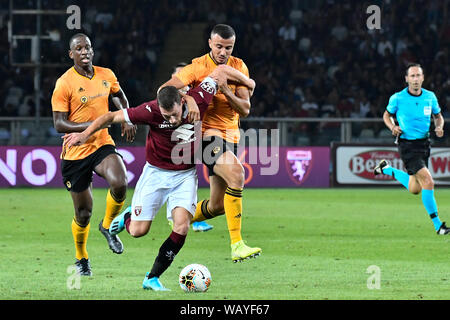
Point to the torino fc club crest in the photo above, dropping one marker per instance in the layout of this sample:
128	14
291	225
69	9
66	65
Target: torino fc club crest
298	164
137	210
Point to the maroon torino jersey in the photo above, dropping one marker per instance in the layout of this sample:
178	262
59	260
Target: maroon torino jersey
163	137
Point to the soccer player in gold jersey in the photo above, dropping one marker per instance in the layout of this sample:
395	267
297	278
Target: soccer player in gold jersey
80	96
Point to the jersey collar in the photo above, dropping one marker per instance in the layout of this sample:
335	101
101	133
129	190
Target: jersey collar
93	67
212	60
414	95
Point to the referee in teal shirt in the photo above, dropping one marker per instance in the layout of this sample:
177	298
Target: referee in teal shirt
413	108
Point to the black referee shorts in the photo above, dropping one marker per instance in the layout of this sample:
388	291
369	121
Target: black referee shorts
77	174
414	154
212	148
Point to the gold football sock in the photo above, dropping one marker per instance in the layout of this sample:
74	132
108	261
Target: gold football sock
80	236
202	212
232	202
112	210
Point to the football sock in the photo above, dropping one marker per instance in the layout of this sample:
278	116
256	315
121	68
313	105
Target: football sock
167	253
113	208
203	213
80	235
398	175
430	205
232	202
127	220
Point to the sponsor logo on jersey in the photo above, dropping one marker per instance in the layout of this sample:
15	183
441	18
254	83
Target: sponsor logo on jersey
208	87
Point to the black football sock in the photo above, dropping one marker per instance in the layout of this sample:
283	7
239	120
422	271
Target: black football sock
167	253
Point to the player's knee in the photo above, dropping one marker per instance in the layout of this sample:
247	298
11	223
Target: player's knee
83	216
181	228
118	189
137	232
237	176
427	183
430	183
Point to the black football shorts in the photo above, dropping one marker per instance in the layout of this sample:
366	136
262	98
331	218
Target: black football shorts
212	148
77	174
414	154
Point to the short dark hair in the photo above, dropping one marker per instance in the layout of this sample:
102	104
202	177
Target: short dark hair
167	97
178	65
410	65
223	30
76	36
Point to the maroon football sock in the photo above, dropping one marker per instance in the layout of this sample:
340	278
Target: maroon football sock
167	253
127	219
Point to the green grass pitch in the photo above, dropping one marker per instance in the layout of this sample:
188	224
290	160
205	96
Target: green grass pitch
317	244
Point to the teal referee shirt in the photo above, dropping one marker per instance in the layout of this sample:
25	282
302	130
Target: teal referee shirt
413	113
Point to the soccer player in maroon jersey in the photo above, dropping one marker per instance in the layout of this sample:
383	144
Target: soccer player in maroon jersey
169	174
201	226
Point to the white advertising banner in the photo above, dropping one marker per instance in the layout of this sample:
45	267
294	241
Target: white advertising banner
354	164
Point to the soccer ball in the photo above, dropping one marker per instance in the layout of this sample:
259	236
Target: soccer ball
195	278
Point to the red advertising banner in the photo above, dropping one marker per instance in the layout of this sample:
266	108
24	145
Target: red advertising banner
353	164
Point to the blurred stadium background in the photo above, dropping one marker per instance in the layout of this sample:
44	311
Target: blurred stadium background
323	80
322	76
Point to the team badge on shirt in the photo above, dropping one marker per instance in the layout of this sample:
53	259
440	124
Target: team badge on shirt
83	99
137	210
105	83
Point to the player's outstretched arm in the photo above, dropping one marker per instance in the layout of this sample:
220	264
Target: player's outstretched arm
174	81
78	138
121	102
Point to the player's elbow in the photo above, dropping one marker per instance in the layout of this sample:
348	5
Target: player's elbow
59	127
244	112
